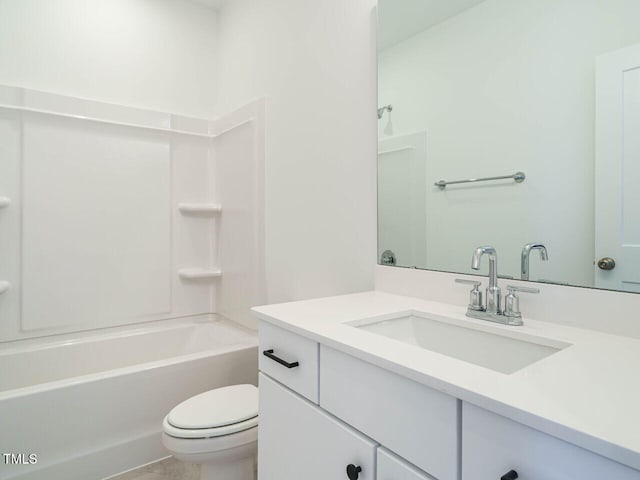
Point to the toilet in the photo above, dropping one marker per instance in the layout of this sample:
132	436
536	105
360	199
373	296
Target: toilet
217	429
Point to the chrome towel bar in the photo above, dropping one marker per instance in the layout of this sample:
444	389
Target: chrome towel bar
518	177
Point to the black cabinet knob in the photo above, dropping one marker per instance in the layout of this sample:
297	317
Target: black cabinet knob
353	471
510	475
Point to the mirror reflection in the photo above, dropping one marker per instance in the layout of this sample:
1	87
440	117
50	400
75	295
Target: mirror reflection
516	124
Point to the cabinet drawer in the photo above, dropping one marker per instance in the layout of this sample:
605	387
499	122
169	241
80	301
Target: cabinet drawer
299	441
414	421
392	467
493	445
290	348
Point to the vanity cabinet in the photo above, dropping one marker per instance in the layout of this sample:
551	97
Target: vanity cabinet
414	421
299	441
493	445
332	410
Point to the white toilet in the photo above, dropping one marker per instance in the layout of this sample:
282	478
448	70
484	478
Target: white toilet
217	429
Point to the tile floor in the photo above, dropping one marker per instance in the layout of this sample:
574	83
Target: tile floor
168	469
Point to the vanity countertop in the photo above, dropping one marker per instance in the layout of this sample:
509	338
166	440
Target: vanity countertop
587	394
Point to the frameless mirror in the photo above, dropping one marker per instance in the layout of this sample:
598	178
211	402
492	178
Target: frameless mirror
512	123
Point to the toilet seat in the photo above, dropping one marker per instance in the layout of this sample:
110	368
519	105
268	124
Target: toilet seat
208	432
215	413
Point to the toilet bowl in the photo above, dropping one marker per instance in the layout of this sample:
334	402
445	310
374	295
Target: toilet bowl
217	429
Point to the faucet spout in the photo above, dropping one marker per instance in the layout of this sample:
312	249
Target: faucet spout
493	262
494	295
526	251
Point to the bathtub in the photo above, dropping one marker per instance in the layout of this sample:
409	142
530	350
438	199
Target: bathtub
91	406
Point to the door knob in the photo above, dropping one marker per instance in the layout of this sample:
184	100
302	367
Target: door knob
606	263
510	475
353	471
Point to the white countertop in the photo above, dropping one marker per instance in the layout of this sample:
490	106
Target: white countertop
587	394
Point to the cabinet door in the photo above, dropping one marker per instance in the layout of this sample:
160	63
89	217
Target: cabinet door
298	441
493	445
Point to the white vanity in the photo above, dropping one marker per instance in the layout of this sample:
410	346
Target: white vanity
350	387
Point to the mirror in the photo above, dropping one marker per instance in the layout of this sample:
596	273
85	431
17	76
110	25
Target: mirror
544	95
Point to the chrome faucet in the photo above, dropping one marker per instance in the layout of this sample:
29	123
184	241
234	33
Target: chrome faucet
492	310
494	296
526	251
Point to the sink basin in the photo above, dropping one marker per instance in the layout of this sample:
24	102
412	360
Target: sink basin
480	346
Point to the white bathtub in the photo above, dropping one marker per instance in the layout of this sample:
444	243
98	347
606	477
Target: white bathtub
92	406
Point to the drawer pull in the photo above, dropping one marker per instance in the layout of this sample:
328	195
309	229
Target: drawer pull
353	471
510	475
269	354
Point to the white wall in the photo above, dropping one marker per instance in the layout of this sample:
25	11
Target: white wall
154	54
314	61
509	85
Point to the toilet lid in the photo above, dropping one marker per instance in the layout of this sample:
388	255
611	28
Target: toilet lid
198	433
216	408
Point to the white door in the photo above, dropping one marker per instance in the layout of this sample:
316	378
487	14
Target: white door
617	172
401	199
299	441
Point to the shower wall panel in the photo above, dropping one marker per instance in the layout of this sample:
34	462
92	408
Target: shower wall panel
240	184
96	229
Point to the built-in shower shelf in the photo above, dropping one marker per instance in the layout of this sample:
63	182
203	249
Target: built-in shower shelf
199	273
4	202
4	286
200	208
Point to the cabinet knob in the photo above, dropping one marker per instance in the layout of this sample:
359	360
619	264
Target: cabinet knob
353	471
510	475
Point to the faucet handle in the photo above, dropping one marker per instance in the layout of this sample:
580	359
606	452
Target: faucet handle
512	303
514	288
475	295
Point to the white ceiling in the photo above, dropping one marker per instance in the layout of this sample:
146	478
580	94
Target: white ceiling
215	4
401	19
